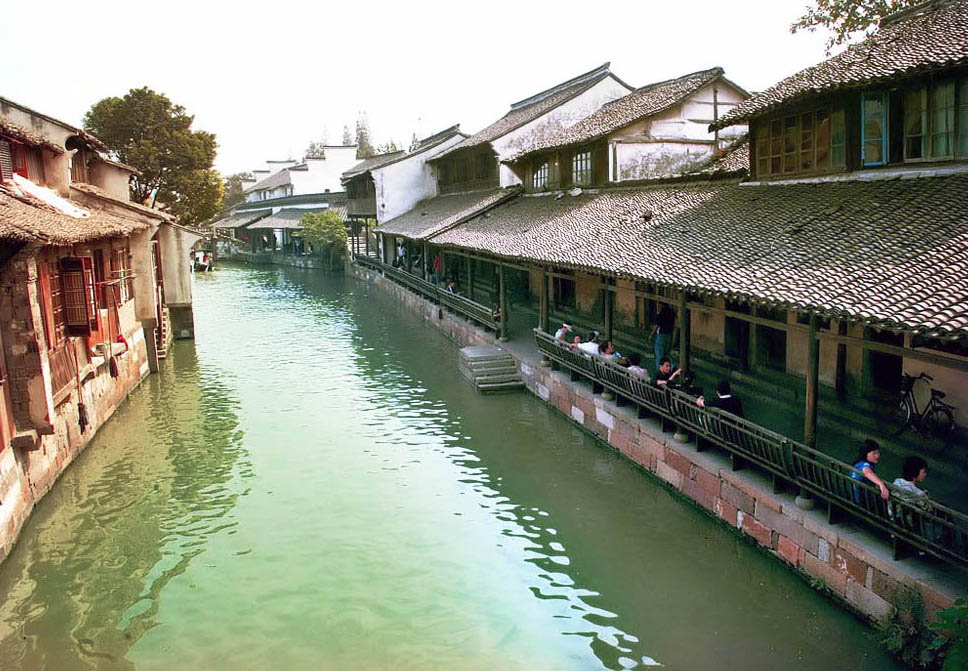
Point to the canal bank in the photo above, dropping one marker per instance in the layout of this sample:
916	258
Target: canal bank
848	563
311	485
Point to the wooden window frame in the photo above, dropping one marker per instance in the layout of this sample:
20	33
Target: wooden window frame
806	142
581	167
920	100
78	286
882	140
540	174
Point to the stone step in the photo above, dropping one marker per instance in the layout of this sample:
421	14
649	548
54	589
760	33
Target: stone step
501	386
502	368
489	379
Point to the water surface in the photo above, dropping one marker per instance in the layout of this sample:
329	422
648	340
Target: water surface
310	485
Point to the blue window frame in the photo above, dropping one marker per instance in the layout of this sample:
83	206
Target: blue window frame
874	124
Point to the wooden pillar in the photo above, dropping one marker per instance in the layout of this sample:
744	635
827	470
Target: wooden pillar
813	372
543	302
470	278
502	302
366	235
607	300
685	331
426	261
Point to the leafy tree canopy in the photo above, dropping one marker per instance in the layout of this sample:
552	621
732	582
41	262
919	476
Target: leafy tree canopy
846	18
146	130
233	188
325	230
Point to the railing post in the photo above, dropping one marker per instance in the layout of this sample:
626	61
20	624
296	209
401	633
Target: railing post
685	332
804	500
502	303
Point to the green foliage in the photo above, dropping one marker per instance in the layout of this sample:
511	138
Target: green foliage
146	130
316	150
327	234
233	188
387	148
364	143
952	625
845	18
941	646
347	136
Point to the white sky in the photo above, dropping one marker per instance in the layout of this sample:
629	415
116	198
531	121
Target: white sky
269	77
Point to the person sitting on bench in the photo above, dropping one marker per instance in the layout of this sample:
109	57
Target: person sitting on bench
724	400
664	375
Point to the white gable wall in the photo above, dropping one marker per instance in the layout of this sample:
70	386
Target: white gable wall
675	141
401	185
562	117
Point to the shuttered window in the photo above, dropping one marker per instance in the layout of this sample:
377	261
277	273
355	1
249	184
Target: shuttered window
6	160
78	290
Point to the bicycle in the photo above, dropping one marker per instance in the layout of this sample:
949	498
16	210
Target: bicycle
937	418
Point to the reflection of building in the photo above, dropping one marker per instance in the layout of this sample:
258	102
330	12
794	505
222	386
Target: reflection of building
92	282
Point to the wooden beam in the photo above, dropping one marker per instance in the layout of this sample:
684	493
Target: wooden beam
813	373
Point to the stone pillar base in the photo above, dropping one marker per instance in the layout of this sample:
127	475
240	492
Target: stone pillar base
182	321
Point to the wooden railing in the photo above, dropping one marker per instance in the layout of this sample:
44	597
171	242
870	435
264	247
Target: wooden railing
916	521
473	310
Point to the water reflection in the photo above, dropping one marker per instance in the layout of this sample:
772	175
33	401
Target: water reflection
85	580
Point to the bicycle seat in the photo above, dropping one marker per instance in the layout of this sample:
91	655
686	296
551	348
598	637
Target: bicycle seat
937	394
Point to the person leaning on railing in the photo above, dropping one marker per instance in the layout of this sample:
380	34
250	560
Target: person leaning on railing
664	375
634	366
867	457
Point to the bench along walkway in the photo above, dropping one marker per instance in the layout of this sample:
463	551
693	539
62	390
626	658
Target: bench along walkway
473	310
909	522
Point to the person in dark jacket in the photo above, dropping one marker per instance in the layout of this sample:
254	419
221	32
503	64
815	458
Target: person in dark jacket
724	400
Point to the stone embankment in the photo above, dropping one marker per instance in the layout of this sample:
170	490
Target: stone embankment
848	563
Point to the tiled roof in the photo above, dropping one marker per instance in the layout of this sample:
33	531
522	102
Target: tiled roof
98	192
280	178
27	136
734	160
25	218
240	219
890	253
426	144
641	103
435	214
531	108
290	218
927	37
371	163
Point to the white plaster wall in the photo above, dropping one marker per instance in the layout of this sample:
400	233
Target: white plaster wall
175	244
643	160
324	173
403	184
952	382
556	120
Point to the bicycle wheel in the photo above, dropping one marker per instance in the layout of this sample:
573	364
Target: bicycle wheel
939	422
902	413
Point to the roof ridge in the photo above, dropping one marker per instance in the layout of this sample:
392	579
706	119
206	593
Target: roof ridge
717	69
914	11
600	71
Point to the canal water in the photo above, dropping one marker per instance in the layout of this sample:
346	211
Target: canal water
311	485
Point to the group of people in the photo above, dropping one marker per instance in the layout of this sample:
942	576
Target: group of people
664	373
914	470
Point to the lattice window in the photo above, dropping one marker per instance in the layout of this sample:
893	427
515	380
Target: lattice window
808	142
539	179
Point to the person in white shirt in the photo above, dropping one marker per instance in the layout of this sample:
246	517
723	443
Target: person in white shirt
562	333
634	367
913	471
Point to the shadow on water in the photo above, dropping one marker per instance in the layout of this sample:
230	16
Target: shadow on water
84	582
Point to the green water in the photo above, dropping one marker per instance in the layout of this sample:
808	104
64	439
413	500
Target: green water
310	485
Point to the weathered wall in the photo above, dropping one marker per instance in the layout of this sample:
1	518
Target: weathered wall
111	178
175	245
850	565
42	449
563	116
323	174
401	185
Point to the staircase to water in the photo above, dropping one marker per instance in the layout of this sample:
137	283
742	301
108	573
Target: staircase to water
489	368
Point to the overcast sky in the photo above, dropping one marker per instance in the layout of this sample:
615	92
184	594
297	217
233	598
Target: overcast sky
269	77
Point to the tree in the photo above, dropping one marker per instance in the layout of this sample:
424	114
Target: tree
233	188
327	234
845	18
316	150
387	148
414	142
347	137
364	144
146	130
